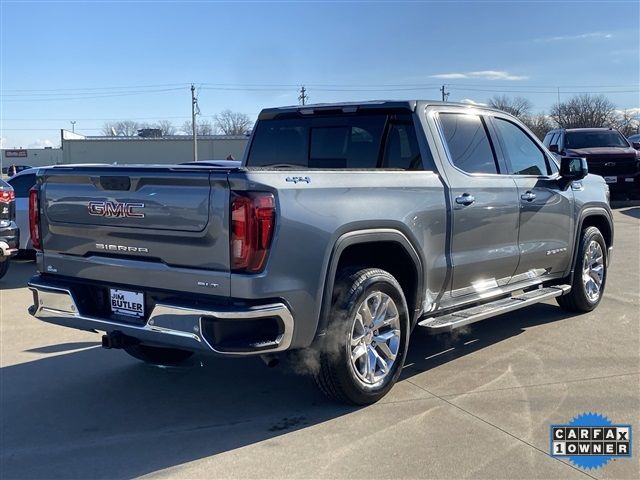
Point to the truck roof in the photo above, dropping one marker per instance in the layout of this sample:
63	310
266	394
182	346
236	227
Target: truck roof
350	107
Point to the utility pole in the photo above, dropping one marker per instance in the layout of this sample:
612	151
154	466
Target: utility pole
73	126
445	94
303	97
194	109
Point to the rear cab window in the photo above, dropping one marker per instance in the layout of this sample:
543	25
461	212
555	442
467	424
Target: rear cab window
367	141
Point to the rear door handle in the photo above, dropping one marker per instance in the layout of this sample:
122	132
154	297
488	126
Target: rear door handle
465	199
528	196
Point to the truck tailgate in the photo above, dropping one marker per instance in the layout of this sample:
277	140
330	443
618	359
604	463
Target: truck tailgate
164	215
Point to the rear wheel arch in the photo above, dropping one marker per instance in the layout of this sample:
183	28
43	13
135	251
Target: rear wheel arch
387	249
593	217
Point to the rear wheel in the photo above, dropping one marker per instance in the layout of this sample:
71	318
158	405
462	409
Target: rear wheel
590	273
367	338
158	355
4	267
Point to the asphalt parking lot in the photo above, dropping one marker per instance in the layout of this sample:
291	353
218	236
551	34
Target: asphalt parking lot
475	405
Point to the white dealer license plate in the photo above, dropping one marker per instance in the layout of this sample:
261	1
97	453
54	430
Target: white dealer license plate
611	179
127	303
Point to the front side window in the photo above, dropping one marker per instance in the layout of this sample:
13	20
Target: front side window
468	142
522	153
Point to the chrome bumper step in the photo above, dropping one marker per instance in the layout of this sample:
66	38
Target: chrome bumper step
168	325
458	319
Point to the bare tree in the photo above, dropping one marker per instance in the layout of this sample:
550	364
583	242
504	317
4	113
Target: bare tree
584	111
166	126
109	129
517	106
627	121
232	123
539	124
203	127
126	128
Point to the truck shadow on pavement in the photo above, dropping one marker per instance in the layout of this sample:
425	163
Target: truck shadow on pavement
631	212
20	271
100	414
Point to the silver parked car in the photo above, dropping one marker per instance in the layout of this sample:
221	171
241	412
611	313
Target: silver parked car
22	183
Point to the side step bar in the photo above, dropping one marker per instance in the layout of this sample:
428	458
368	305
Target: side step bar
451	321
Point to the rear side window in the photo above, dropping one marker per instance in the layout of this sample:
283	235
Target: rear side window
22	184
468	142
354	141
522	153
401	148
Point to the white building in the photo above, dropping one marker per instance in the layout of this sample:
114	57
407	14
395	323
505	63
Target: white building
165	150
35	157
126	150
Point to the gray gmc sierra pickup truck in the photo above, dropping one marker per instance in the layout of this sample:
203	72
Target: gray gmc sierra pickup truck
344	227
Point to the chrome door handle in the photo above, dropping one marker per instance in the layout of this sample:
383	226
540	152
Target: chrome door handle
465	199
528	196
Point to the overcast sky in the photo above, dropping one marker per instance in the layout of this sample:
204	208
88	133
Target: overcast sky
100	61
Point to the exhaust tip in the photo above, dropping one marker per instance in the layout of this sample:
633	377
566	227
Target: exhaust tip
116	339
105	342
270	361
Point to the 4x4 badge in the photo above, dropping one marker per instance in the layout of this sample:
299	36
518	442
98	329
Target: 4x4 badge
298	179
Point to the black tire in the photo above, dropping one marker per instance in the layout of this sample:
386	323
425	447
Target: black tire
337	377
578	300
4	267
158	355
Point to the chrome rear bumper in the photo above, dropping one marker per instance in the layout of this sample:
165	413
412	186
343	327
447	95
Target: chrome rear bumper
168	325
6	250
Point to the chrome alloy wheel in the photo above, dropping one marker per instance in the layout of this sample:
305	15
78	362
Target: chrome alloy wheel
593	270
375	338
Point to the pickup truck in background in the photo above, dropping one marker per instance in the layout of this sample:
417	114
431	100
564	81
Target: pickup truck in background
608	154
345	227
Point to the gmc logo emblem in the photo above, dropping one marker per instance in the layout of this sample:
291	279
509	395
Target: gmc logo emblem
115	209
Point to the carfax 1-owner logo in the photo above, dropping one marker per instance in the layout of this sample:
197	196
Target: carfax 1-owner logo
591	440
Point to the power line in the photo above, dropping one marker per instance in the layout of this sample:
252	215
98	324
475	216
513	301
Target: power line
89	97
98	88
159	117
319	85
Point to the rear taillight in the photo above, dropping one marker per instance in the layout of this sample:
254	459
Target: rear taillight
34	218
7	196
252	222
